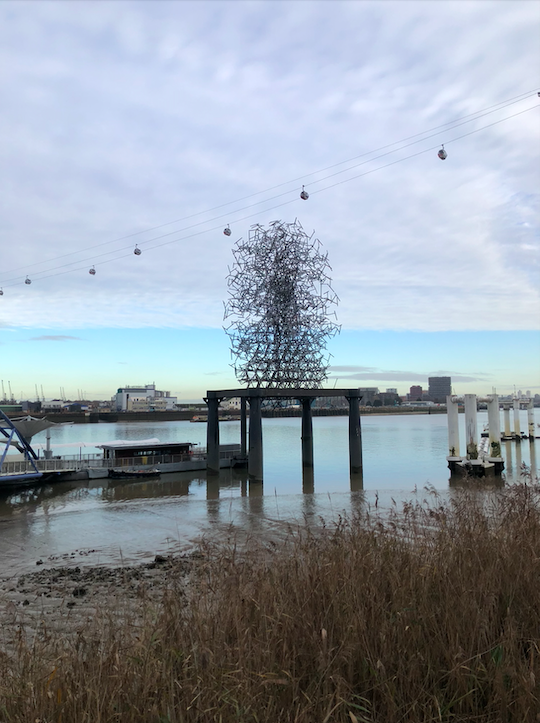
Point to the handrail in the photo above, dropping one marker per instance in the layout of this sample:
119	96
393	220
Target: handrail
88	462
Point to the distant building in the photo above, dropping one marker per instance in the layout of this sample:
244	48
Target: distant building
54	405
391	391
439	389
415	393
143	399
368	395
234	404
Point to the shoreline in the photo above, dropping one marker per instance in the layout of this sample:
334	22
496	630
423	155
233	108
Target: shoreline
184	416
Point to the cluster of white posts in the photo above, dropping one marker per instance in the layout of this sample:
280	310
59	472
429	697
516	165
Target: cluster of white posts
484	456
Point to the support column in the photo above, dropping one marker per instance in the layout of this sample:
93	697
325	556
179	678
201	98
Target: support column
471	426
530	418
507	432
212	436
355	434
255	457
307	433
494	428
243	427
517	428
47	452
308	480
452	413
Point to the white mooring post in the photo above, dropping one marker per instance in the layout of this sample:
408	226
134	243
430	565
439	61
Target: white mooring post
494	424
471	426
453	428
530	418
517	428
507	432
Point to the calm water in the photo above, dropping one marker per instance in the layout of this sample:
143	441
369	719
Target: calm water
109	523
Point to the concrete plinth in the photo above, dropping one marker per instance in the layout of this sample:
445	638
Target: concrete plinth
255	455
355	435
212	436
307	433
243	427
471	427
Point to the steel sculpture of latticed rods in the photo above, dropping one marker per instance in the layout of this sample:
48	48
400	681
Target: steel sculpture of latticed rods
280	308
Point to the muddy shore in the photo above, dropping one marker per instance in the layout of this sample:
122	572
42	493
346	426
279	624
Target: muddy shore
67	599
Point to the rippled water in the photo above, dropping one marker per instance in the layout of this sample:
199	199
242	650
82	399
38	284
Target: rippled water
106	522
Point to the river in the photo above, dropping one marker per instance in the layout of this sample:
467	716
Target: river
101	522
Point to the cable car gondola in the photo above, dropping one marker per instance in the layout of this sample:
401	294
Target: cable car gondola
304	195
27	281
442	154
227	231
137	251
92	271
1	292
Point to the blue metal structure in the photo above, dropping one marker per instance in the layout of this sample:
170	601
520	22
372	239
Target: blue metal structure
12	436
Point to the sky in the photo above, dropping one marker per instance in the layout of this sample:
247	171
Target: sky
157	124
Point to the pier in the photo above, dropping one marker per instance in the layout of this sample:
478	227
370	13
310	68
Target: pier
254	443
484	457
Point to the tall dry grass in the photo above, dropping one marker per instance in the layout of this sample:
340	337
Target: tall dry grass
430	613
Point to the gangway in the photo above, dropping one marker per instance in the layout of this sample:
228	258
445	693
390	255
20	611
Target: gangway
29	471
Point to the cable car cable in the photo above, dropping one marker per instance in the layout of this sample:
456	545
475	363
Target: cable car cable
459	121
477	130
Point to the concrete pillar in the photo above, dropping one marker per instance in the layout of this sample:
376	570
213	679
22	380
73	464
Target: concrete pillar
452	413
212	436
243	427
530	419
517	428
47	452
255	456
507	432
471	426
494	427
308	480
355	434
307	433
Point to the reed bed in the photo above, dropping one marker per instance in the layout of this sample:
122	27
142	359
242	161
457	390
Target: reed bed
428	613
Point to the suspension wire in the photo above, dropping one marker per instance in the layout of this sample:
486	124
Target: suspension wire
285	203
40	274
477	115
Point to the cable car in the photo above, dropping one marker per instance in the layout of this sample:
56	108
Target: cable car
227	231
304	195
1	292
92	271
27	281
137	251
442	154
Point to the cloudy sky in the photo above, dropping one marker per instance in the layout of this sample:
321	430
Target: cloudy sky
158	123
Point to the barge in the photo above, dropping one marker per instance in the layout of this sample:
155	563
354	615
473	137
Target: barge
147	457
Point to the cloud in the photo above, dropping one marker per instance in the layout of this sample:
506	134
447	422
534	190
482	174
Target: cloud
125	117
405	376
334	368
55	337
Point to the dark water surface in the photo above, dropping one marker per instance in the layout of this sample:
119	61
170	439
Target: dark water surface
115	522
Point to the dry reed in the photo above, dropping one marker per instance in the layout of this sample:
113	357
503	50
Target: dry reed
429	613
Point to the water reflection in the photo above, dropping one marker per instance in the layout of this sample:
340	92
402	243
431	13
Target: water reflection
108	521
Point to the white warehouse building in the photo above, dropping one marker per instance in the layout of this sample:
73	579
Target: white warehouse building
143	399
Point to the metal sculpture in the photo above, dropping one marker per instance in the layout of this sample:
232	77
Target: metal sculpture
280	308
